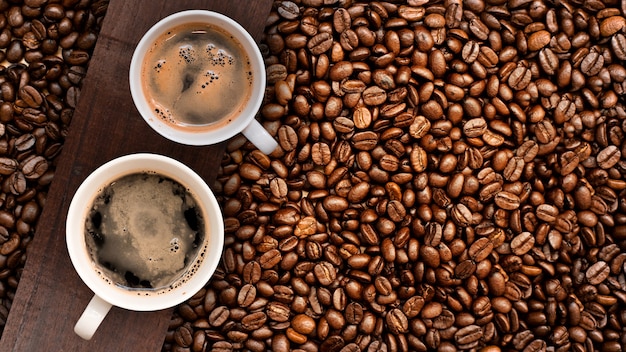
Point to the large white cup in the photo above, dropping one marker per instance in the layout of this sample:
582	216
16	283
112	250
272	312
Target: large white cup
244	122
108	294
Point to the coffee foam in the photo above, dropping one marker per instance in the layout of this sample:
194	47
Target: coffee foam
197	77
157	291
165	251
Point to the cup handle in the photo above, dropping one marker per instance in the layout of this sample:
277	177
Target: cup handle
91	318
260	137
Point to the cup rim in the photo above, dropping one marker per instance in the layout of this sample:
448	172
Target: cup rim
138	300
225	131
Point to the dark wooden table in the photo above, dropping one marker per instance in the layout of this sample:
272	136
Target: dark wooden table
50	296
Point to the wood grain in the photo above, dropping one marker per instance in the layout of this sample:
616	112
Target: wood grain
50	296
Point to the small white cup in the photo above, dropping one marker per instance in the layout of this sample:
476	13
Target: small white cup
244	122
108	294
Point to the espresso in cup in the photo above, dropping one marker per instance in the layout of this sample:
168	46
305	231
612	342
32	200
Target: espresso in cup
145	231
196	76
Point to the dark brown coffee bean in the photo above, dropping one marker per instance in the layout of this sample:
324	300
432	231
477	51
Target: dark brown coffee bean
612	25
7	165
461	214
325	273
34	167
247	295
522	243
288	10
465	269
597	273
536	346
31	96
335	203
608	157
320	43
480	249
253	321
277	311
354	313
219	316
538	40
287	138
520	77
252	272
374	96
479	29
341	20
333	343
618	44
468	334
507	200
303	324
183	336
270	258
514	168
470	51
592	63
544	131
76	56
15	51
475	127
365	140
413	306
397	322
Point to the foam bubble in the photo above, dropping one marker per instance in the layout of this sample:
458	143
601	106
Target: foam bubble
187	53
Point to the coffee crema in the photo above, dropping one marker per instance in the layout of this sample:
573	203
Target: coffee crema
197	77
145	231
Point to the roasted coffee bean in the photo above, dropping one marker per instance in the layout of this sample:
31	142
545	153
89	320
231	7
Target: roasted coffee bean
507	200
522	243
34	167
374	96
547	212
365	140
397	322
270	258
288	10
468	334
247	295
253	321
475	127
480	249
7	166
608	157
449	178
320	43
31	96
519	77
597	273
325	273
538	40
219	316
183	336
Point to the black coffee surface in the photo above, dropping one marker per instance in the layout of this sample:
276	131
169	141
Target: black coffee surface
144	230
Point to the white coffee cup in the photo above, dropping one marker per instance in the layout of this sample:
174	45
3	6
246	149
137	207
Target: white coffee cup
107	293
243	122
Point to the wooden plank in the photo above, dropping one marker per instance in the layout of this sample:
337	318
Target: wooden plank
50	296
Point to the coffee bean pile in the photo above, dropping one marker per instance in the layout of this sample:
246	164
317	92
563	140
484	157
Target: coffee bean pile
45	47
450	176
